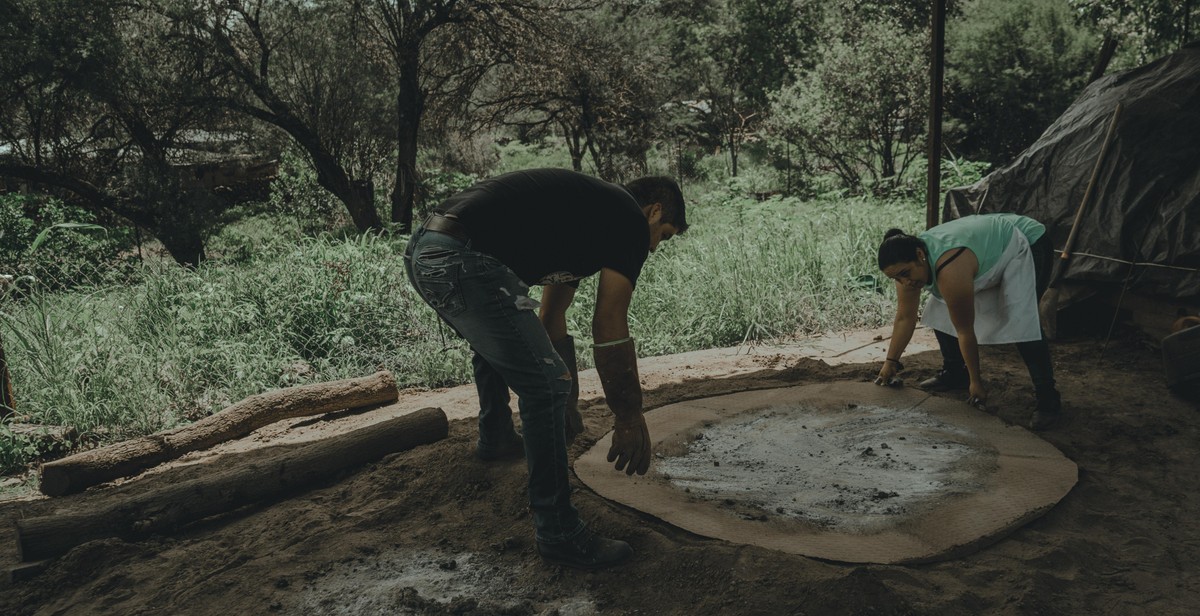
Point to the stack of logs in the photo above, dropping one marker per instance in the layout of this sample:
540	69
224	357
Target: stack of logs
224	489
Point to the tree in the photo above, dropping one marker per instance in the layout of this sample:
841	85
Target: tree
729	54
860	111
1012	68
302	67
424	39
1144	29
100	105
593	79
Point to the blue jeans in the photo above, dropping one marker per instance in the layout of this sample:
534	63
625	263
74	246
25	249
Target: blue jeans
489	306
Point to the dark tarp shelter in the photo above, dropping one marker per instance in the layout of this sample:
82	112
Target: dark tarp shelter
1142	224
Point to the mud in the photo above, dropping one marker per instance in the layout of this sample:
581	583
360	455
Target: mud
380	539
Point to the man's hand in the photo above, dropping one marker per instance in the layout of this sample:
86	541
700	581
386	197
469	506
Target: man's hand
631	446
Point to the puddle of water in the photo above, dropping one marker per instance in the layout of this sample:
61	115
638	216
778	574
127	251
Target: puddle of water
860	469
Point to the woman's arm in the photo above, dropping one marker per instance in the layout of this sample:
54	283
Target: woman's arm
907	301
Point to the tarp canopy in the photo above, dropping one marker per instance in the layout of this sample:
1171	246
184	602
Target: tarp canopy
1143	221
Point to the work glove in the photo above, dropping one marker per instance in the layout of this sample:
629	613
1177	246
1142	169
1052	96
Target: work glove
574	421
631	446
617	367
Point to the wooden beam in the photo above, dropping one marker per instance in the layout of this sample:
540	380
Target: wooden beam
80	471
933	188
229	486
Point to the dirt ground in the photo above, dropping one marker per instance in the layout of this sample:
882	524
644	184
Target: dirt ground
433	531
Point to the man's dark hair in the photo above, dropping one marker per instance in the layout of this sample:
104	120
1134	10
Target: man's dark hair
664	191
899	247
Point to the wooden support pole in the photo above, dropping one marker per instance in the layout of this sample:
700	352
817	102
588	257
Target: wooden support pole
80	471
229	486
933	185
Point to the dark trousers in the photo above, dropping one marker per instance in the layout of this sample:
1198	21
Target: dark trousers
485	302
1036	353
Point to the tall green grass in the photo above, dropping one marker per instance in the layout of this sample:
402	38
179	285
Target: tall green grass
118	361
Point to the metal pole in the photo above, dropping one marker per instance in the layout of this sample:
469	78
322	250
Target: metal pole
933	187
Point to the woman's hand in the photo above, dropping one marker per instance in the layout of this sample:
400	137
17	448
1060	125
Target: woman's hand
977	395
887	373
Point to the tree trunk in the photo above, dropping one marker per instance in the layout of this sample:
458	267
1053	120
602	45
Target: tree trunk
410	105
8	404
184	243
575	146
80	471
230	486
332	177
733	152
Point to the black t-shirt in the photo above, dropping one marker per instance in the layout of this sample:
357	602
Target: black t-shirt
554	226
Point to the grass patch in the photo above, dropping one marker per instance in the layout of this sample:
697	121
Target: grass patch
117	361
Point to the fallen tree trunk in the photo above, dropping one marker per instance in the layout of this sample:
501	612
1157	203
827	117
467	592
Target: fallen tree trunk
277	475
83	470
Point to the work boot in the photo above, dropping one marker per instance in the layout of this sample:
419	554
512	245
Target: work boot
511	447
1048	411
946	380
586	550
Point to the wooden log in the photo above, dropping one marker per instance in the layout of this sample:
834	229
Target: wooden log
25	571
227	488
83	470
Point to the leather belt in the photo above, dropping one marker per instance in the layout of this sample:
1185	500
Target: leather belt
450	226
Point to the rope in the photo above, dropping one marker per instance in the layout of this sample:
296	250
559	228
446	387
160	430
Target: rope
1134	263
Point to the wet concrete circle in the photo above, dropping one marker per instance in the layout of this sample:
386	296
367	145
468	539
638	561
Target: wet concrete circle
843	471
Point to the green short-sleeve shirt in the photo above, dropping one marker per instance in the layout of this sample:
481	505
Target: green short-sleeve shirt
986	235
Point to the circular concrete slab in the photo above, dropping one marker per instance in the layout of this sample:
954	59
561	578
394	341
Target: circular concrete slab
847	472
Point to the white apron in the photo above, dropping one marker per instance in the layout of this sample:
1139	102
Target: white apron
1006	308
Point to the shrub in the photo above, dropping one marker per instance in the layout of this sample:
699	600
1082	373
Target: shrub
74	250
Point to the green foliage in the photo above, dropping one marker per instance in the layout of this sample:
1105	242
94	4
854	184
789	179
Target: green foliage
963	172
57	244
515	155
439	184
1012	68
859	113
16	450
296	195
775	36
129	360
124	360
1143	29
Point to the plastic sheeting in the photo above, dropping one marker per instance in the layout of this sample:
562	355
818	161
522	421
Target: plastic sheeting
1146	204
